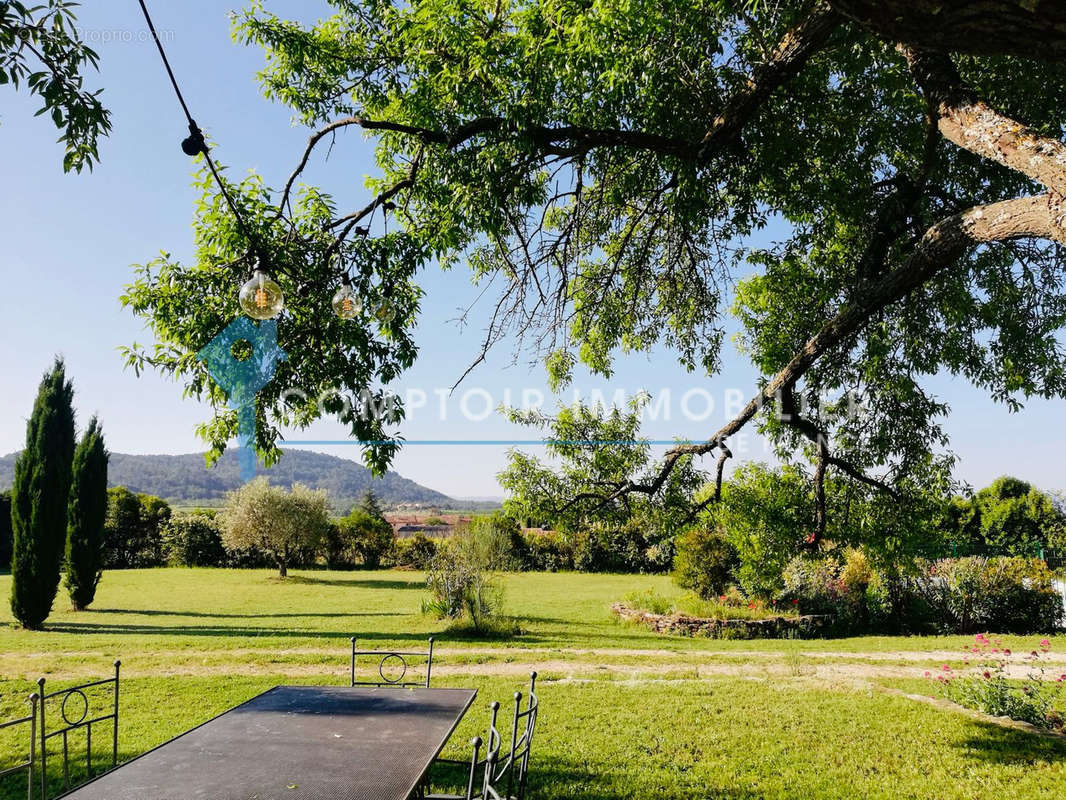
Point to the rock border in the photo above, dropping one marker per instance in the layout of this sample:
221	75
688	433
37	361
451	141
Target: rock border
778	627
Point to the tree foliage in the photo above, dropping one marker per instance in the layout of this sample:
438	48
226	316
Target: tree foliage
39	500
367	536
5	530
274	520
608	166
1009	517
86	516
595	446
40	47
133	530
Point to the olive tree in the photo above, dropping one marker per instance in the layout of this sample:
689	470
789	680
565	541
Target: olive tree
275	520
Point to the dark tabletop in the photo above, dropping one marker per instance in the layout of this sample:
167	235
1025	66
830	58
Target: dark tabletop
297	743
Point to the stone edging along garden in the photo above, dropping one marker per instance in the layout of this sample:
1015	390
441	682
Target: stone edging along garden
778	627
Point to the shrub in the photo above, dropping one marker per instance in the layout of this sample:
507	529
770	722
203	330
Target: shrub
461	588
1009	595
724	607
415	551
546	551
836	585
621	547
704	562
195	540
988	689
764	514
133	530
368	537
494	541
651	601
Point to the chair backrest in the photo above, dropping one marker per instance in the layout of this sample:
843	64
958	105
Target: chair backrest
493	777
76	711
26	766
505	778
392	666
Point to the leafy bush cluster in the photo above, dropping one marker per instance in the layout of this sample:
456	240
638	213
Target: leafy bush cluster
546	551
415	552
133	529
878	568
1012	595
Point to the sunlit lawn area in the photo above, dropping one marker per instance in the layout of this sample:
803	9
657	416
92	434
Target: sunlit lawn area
625	713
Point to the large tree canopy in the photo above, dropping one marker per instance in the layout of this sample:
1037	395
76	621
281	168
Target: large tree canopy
601	165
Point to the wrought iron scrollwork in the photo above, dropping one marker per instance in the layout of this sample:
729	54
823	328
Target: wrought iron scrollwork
388	662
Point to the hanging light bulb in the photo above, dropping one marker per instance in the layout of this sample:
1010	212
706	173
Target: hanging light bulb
346	302
261	297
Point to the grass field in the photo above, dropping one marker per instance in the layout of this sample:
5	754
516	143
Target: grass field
625	713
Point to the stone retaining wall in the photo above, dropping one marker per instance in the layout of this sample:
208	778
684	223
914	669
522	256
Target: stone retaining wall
805	627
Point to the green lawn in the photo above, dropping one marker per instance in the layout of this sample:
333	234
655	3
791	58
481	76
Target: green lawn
625	713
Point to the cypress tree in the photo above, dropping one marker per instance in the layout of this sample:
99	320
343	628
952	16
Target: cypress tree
5	530
86	515
39	500
371	506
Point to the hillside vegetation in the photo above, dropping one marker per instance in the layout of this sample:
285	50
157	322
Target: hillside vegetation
185	480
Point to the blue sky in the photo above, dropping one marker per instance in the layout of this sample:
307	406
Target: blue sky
69	241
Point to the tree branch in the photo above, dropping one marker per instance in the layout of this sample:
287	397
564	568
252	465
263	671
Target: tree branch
940	248
973	125
789	57
1027	28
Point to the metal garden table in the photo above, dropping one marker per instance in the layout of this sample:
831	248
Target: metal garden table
297	743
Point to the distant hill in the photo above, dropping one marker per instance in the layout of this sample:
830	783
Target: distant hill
184	480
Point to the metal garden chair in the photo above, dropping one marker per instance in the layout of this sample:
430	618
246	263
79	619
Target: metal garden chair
76	712
28	765
493	777
392	666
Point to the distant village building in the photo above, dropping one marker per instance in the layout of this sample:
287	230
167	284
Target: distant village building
432	531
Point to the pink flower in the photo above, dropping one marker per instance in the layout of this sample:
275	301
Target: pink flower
928	674
1044	643
987	674
946	668
1006	652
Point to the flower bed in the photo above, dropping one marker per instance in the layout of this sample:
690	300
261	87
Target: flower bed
772	627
